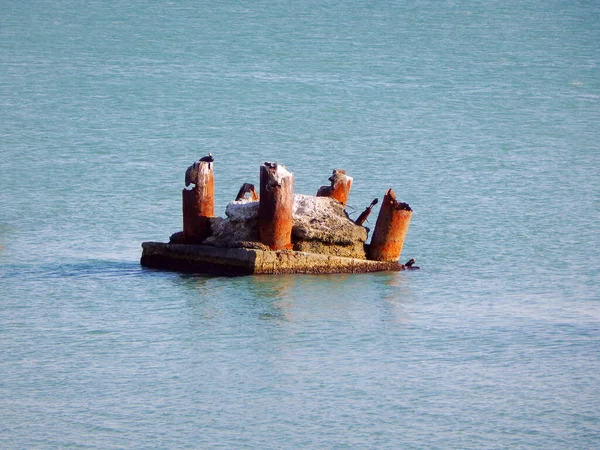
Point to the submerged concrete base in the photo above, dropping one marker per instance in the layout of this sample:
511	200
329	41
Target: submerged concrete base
241	261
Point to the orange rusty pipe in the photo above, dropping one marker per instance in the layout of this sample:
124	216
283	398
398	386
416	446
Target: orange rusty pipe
390	229
275	206
199	202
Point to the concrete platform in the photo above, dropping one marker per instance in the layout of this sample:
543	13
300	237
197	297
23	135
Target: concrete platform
241	261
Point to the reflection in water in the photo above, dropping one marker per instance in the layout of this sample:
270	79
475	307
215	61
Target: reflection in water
193	281
222	298
376	297
274	294
395	291
351	298
205	294
271	286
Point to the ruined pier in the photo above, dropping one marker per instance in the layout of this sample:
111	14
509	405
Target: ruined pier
277	231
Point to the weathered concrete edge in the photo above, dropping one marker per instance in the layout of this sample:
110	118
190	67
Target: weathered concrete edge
241	261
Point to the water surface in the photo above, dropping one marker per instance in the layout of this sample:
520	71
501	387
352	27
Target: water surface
481	115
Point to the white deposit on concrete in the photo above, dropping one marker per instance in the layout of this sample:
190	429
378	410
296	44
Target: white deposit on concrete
242	210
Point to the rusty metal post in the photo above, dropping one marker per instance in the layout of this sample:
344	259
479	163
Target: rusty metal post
390	229
340	187
275	206
199	202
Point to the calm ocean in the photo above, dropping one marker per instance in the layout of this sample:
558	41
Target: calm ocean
482	115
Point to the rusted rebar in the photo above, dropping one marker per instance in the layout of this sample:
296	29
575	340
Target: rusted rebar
247	188
365	214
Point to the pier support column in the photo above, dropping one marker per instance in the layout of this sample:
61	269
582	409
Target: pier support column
390	229
198	202
340	187
275	206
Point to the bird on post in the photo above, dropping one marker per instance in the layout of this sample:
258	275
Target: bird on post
192	172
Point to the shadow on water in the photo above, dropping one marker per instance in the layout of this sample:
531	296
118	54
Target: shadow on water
92	269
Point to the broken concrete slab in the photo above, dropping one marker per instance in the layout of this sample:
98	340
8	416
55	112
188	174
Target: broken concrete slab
320	225
323	219
242	261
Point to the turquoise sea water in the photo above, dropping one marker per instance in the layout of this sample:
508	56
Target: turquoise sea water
482	115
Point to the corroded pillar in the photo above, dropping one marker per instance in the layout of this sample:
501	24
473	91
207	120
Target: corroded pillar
198	202
340	187
275	206
390	229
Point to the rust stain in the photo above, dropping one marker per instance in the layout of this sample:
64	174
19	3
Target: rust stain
275	207
340	187
199	202
390	229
